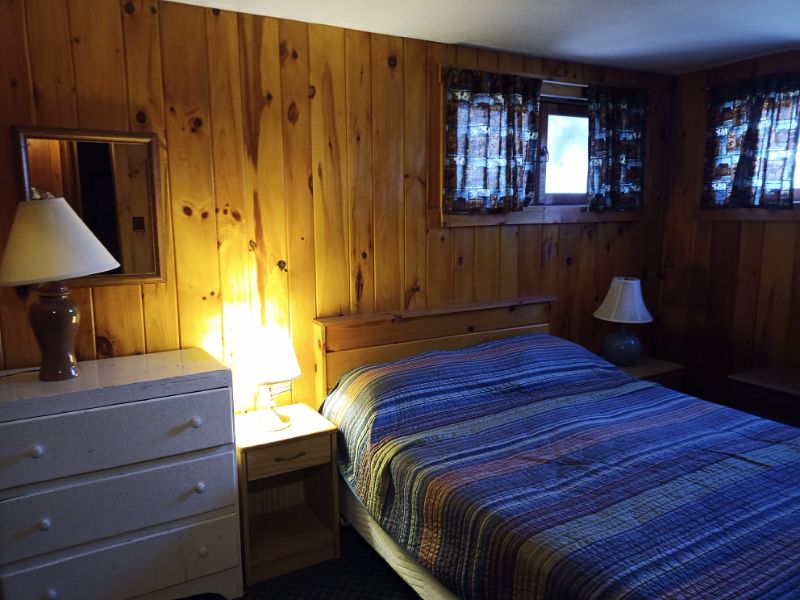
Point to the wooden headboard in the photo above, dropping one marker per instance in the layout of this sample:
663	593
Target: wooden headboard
342	343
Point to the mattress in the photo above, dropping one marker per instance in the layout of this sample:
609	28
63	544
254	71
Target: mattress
530	468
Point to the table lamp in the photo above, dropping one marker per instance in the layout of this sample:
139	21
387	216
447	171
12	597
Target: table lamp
278	368
623	304
49	242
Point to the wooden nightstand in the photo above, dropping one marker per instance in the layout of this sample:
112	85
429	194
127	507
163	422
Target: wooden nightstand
666	373
287	486
771	392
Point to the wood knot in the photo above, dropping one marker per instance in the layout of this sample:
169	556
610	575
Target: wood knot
187	210
215	12
129	8
237	216
141	117
252	244
282	265
13	83
569	261
294	54
293	114
312	91
105	347
392	62
364	256
283	51
311	184
268	98
204	214
197	122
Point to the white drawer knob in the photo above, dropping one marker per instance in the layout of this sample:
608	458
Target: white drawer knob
36	451
45	523
51	594
196	422
203	552
200	487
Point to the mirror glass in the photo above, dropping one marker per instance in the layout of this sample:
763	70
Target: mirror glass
111	180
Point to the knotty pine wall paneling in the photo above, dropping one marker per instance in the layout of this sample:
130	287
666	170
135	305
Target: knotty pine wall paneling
299	176
731	287
141	33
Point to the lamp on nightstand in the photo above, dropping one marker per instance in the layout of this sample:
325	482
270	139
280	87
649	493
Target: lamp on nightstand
49	242
278	369
623	304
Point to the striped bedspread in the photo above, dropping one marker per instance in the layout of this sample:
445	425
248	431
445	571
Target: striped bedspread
530	468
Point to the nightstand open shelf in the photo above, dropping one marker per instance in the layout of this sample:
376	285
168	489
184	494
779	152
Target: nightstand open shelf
288	493
300	530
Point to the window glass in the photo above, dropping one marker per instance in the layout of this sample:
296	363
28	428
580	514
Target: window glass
568	150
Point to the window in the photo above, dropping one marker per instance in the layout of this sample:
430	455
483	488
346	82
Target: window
564	155
752	141
517	149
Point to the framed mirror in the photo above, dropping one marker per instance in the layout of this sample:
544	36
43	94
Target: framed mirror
111	179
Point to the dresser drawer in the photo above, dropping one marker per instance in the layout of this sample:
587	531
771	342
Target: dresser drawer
133	568
83	441
68	516
288	456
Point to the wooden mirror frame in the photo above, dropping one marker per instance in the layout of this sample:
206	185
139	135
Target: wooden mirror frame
23	133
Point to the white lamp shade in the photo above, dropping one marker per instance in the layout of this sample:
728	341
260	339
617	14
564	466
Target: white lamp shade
50	242
279	363
624	303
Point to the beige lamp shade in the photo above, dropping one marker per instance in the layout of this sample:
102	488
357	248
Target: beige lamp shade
624	303
50	242
279	362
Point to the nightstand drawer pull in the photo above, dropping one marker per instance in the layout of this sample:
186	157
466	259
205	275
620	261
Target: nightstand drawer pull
300	454
51	594
36	451
45	523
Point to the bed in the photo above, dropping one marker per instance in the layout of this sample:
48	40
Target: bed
527	467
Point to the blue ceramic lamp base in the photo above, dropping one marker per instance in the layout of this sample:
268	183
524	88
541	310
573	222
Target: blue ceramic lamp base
622	348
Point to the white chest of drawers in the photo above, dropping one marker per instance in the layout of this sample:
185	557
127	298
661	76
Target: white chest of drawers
120	483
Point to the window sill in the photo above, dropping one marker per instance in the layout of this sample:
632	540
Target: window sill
748	214
541	214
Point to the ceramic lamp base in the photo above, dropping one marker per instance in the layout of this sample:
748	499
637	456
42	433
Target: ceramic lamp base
622	348
54	319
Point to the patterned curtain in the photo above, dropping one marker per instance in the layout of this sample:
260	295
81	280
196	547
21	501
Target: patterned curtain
616	147
751	143
490	141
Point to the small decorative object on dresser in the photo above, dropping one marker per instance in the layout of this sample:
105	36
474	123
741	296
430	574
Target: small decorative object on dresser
49	242
623	304
287	485
120	483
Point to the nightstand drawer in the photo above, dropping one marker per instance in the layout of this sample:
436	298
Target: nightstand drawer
288	456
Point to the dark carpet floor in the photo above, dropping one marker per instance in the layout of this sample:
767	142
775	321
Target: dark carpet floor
360	574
